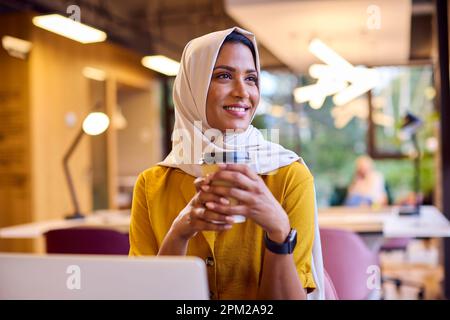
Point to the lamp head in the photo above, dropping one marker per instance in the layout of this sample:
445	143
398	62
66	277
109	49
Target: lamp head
95	123
410	125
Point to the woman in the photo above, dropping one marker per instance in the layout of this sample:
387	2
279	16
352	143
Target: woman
174	208
368	186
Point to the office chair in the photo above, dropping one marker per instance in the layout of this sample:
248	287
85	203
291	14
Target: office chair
87	241
347	260
330	290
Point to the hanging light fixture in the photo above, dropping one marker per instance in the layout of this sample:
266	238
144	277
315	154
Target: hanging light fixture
69	28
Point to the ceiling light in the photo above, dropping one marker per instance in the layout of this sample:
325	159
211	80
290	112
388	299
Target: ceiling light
161	64
327	55
94	73
69	28
16	47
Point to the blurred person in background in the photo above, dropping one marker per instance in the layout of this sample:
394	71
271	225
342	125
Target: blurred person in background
368	186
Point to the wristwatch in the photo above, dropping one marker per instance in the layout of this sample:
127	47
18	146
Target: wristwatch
287	247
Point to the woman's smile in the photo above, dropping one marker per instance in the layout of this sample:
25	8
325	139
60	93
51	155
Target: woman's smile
237	110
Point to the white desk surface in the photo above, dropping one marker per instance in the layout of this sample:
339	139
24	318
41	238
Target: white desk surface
386	221
112	219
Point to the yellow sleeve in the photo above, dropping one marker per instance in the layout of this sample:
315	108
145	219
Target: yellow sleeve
142	238
299	204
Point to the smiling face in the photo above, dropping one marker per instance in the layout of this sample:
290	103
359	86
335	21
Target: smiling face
233	93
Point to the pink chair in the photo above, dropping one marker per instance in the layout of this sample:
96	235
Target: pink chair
330	291
87	241
347	259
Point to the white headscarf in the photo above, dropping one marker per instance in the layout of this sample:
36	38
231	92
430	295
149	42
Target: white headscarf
192	133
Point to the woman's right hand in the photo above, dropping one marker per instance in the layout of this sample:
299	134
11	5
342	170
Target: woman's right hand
195	217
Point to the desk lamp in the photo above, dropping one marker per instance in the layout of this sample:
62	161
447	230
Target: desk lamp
94	124
409	128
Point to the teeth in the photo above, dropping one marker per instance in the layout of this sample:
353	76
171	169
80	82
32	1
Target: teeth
234	108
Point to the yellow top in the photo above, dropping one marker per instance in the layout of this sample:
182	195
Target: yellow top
234	258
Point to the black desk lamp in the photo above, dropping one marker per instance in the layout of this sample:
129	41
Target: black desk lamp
94	124
409	128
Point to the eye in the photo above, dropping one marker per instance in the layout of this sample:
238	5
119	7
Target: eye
223	76
253	78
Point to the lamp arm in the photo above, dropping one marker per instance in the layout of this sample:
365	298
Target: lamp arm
67	171
417	170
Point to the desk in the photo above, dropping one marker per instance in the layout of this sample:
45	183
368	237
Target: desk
376	225
112	219
386	222
360	220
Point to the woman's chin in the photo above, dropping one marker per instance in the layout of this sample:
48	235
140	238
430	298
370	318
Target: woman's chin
235	126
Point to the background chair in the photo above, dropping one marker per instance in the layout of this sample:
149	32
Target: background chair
330	291
347	259
87	241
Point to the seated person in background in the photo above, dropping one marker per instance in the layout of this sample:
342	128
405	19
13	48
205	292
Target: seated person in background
367	187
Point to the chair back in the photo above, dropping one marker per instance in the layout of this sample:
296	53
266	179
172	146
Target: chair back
349	263
87	241
330	291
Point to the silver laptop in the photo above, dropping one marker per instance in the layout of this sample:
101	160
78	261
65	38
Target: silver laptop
26	276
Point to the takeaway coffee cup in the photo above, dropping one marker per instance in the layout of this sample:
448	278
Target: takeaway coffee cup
210	161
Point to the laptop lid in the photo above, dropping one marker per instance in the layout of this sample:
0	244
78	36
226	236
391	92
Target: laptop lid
27	276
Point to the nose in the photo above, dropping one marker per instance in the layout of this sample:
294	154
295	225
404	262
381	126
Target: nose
240	89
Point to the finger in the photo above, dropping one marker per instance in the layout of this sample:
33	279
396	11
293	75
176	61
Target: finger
242	168
197	213
236	178
201	181
204	197
212	216
201	224
227	210
209	226
209	216
243	196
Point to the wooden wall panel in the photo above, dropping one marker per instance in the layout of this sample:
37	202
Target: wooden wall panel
15	175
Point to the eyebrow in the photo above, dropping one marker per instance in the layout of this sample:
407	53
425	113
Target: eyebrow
232	69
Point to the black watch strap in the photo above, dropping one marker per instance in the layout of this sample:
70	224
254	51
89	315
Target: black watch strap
287	247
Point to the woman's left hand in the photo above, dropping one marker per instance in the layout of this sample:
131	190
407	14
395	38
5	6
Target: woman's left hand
256	202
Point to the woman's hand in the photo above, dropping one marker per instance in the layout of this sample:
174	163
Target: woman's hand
256	202
195	217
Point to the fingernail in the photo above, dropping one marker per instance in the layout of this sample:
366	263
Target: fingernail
205	188
209	205
224	201
228	226
229	219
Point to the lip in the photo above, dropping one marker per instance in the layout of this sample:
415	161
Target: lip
238	114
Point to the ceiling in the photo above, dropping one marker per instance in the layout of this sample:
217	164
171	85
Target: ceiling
283	27
146	26
286	27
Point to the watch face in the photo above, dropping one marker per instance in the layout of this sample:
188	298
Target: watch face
292	235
